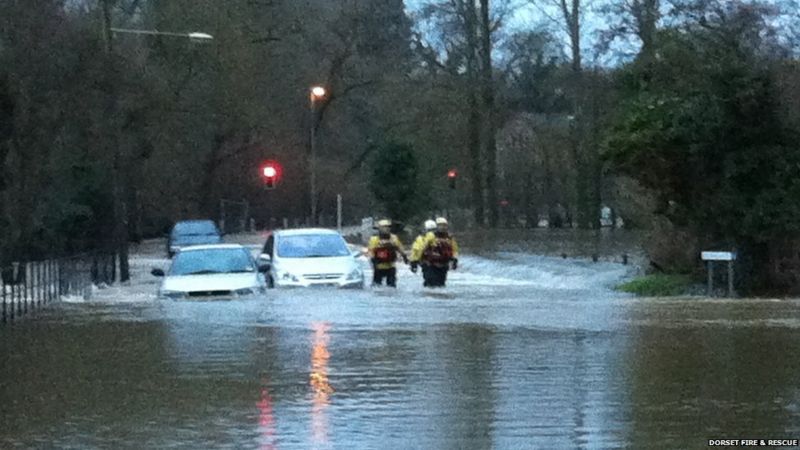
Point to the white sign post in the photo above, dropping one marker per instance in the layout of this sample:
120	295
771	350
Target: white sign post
366	229
730	257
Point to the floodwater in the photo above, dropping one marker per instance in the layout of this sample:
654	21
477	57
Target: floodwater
519	351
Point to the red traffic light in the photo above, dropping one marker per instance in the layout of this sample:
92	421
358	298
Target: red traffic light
451	178
270	173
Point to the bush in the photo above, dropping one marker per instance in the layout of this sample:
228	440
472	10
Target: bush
657	285
394	181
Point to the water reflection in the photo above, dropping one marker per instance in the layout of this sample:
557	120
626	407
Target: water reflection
318	379
56	375
266	420
704	368
465	390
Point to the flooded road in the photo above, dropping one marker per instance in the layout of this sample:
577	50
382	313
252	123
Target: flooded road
518	351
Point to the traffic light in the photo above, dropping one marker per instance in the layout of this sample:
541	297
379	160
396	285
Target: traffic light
451	178
271	174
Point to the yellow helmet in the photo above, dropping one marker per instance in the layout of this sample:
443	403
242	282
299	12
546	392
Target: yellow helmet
429	225
441	221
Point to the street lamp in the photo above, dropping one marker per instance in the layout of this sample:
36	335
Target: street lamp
195	36
317	93
120	231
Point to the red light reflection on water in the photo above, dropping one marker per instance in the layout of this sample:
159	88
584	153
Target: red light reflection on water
266	421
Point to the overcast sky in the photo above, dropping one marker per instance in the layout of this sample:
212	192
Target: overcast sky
544	14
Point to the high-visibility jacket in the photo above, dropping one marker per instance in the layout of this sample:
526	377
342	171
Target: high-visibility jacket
416	248
439	248
384	250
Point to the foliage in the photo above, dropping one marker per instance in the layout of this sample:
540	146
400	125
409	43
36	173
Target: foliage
700	121
703	130
394	181
657	285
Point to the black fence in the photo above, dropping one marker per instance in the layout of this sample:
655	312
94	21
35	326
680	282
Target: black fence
28	286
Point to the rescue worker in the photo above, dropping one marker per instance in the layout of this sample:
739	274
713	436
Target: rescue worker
440	251
416	253
383	250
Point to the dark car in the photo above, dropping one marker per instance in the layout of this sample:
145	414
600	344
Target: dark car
192	232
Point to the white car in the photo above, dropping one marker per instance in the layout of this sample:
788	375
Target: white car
207	272
310	257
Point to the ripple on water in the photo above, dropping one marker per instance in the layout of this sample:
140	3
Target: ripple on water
517	352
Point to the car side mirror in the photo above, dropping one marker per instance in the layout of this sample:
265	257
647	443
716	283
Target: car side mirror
355	253
157	272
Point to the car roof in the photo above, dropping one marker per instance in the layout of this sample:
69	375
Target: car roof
194	224
212	247
302	231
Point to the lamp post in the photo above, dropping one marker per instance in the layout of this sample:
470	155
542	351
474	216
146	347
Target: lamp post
119	210
317	93
195	36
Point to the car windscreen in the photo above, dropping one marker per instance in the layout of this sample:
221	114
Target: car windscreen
200	262
312	246
195	228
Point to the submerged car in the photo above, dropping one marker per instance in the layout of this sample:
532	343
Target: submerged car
310	257
221	271
192	232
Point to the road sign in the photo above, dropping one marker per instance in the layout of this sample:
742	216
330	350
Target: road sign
718	256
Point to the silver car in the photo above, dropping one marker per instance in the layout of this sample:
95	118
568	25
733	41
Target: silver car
311	257
205	272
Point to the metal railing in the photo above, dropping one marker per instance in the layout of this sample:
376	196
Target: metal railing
28	286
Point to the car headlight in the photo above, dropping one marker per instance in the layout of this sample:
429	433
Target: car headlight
173	294
354	275
286	276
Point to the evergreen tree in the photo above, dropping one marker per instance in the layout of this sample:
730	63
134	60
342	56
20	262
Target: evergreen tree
394	181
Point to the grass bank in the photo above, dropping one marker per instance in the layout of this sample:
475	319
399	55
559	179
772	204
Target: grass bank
658	285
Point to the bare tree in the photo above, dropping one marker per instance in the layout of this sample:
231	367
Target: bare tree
631	17
486	28
582	146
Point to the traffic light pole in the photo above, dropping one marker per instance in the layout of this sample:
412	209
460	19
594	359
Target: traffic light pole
452	174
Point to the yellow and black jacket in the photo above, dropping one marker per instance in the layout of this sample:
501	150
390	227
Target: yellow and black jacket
438	249
416	249
384	250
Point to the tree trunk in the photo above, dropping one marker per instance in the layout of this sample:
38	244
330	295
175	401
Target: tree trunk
553	216
593	155
474	114
531	213
646	20
489	126
474	146
120	227
583	173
